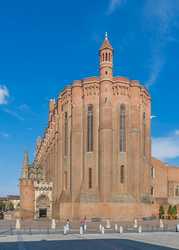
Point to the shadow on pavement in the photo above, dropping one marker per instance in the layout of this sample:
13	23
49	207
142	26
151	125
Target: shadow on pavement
106	244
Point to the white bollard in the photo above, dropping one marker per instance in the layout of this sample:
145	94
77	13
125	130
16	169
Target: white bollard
121	229
135	223
65	230
67	227
116	227
177	228
85	228
53	224
100	227
102	230
18	224
81	230
140	229
161	224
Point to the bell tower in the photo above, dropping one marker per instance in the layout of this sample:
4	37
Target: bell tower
106	59
105	120
26	191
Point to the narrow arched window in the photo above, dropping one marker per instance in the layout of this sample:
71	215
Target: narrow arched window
90	128
66	134
122	126
103	57
177	191
106	57
122	174
90	178
152	191
144	133
65	180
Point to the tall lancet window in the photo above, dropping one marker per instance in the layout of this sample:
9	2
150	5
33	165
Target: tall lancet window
122	175
66	134
144	133
90	128
122	128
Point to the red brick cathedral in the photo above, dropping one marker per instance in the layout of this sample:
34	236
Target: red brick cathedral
94	158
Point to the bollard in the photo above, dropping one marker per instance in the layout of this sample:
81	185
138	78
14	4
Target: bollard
64	230
177	228
121	229
53	224
140	229
68	227
102	230
116	227
161	224
18	225
81	230
100	227
135	223
85	228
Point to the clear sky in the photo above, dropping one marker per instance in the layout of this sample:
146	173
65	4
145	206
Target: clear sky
45	45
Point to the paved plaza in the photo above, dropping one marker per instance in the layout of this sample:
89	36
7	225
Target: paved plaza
91	241
39	235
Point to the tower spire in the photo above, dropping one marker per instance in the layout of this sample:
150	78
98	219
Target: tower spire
106	59
25	168
26	158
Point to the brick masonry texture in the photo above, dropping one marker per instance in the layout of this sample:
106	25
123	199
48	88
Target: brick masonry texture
99	162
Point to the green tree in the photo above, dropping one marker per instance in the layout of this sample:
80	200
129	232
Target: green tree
174	212
10	206
161	212
2	206
169	212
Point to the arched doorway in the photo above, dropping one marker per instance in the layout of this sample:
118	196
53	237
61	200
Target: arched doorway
43	206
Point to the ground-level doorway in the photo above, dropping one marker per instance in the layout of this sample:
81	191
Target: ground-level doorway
43	206
42	212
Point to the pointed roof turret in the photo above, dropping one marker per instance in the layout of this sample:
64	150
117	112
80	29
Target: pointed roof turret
106	59
25	168
26	158
106	44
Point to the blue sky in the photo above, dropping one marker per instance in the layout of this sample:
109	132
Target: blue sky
45	45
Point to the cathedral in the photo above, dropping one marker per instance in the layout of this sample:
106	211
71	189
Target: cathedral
94	158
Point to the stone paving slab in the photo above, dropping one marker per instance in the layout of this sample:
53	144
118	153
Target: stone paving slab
106	241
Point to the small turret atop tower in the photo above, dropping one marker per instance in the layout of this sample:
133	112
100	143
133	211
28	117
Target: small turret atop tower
25	169
106	59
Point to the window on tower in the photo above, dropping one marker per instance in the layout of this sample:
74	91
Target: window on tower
152	191
177	191
66	134
65	180
144	133
122	174
122	129
90	178
90	128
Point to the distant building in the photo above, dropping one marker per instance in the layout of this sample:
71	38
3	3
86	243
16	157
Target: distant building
94	159
13	199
